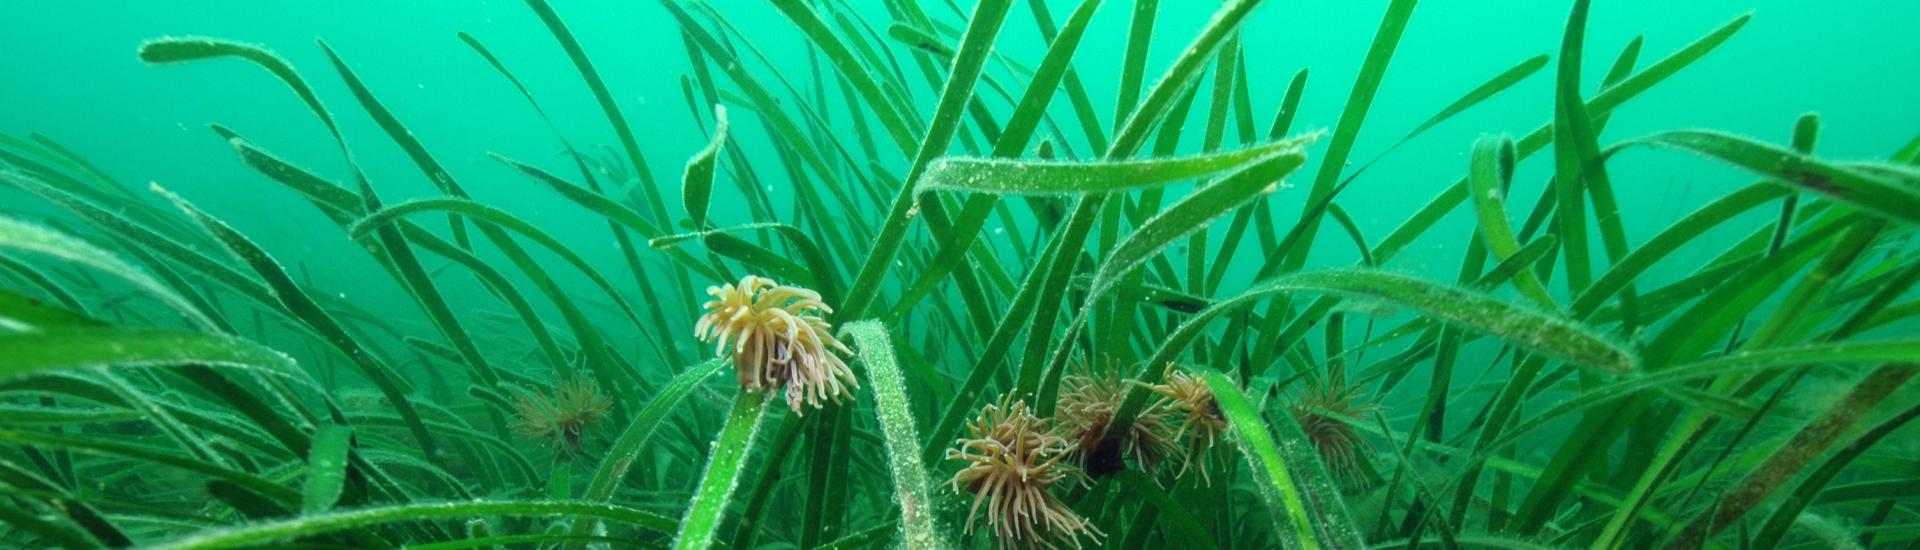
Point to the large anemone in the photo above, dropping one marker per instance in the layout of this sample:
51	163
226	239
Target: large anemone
1013	461
778	340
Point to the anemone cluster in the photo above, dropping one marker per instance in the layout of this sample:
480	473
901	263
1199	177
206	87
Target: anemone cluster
1013	460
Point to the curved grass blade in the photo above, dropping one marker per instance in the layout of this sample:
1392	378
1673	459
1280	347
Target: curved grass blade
1133	64
1873	193
875	350
326	468
267	533
142	453
992	358
817	270
180	50
1467	309
343	207
82	513
1601	104
919	39
1714	214
1575	156
626	448
1192	212
782	125
843	60
750	525
1486	90
1195	535
696	185
1492	170
1292	521
1165	96
46	284
497	541
723	470
48	532
580	162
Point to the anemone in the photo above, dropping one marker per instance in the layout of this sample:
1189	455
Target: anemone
1013	461
1089	399
778	340
563	415
1187	396
1319	408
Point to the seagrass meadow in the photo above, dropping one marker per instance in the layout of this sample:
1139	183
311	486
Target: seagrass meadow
960	274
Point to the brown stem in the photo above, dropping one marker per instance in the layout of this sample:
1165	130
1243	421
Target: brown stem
1786	462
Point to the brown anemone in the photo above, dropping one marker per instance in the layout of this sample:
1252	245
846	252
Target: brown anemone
1201	419
1013	461
1319	409
563	415
1089	399
778	339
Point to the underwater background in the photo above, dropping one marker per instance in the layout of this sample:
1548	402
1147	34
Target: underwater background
501	328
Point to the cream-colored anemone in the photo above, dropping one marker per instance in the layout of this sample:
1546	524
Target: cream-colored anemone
1013	460
778	340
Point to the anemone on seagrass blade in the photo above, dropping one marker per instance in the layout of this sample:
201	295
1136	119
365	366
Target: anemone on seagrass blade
1089	400
1187	396
778	340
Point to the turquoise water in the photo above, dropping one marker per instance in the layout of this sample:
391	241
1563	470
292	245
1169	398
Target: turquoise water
1840	275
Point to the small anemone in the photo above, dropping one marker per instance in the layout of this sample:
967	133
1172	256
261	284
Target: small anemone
1013	461
1201	419
1089	399
563	416
1319	409
778	340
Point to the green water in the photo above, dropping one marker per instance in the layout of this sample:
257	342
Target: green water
228	322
